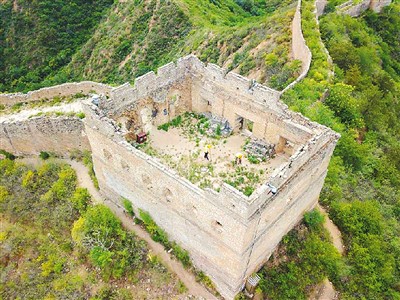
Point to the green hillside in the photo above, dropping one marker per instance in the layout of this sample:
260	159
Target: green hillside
141	36
362	189
117	42
48	42
37	38
55	244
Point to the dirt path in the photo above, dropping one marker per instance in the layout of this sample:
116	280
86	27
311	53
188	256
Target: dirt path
326	290
84	179
333	231
194	288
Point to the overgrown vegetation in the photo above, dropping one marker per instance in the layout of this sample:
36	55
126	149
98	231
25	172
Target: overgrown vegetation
97	45
88	162
45	102
41	259
38	38
362	186
303	259
202	133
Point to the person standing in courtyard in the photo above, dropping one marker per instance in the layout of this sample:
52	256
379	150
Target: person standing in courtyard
239	157
207	152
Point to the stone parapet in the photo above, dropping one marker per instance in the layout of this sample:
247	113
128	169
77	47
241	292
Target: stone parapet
62	90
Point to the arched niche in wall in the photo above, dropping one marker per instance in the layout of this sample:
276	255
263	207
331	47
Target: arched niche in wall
107	154
167	194
124	165
147	181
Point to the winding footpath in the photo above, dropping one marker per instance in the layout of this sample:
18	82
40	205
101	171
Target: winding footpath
326	290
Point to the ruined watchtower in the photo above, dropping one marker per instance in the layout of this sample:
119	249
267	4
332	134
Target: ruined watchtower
229	235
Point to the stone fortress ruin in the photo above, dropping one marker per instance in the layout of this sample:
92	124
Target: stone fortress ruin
229	231
229	216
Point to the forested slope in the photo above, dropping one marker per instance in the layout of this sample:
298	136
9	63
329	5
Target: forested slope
141	36
45	43
37	38
362	187
125	39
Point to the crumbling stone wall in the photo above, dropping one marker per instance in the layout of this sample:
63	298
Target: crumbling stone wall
228	235
55	134
320	6
300	49
67	89
355	10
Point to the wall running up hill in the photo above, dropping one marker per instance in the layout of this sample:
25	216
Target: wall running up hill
356	10
62	90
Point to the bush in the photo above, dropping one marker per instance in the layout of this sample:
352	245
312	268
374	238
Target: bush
8	155
314	219
248	190
80	199
128	207
164	127
44	155
253	160
88	162
80	115
159	235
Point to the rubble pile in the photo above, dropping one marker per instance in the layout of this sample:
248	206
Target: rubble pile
218	125
260	149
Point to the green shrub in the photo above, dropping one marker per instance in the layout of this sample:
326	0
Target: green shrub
44	155
248	190
176	121
203	278
80	115
182	255
8	155
314	219
218	130
164	127
253	159
81	199
128	207
159	235
88	162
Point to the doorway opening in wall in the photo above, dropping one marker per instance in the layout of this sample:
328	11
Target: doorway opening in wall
284	146
243	125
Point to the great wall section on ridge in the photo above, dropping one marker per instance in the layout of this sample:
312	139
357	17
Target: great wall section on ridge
228	235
